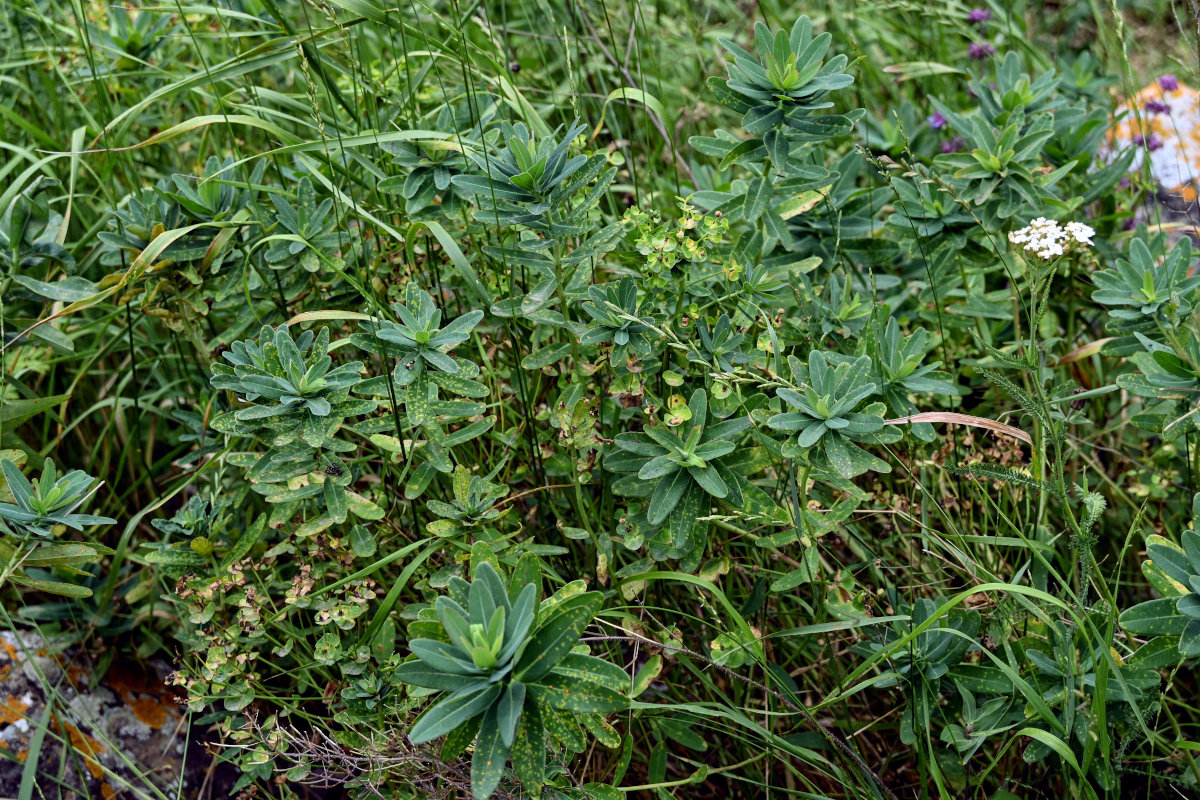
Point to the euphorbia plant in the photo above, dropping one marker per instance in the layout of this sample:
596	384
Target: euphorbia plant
297	402
289	380
504	661
1146	290
614	309
779	90
1174	572
823	413
901	370
40	508
681	470
420	342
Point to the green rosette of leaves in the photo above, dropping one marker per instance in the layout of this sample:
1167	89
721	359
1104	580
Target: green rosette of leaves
509	676
1146	290
681	471
822	423
421	344
1174	572
523	182
40	510
306	234
296	402
473	507
613	308
920	667
902	372
292	389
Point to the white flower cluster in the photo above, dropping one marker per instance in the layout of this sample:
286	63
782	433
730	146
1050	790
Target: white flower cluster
1081	233
1047	239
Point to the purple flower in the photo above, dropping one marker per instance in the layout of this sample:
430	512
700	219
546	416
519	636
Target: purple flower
980	51
1125	183
1155	106
954	145
978	16
1152	142
1169	83
936	121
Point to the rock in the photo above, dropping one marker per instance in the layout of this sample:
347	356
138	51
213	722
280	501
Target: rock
1163	123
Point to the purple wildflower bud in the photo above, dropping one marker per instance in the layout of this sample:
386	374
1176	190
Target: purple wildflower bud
980	51
1125	183
1169	83
1155	106
1129	224
954	145
978	16
1151	142
936	121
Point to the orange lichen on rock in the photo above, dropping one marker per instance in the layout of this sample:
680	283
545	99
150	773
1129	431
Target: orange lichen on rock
1163	124
151	711
126	709
13	709
83	744
77	676
151	701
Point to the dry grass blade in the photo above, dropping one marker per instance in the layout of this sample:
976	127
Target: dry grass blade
1084	351
964	419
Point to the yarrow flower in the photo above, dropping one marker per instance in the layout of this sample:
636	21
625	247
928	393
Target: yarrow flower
1080	232
936	120
980	51
1046	239
1169	83
1155	106
978	16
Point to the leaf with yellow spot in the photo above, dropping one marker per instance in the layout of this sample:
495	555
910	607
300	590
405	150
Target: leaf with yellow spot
646	675
529	750
605	734
459	739
596	670
491	754
576	695
551	603
562	726
1167	568
556	636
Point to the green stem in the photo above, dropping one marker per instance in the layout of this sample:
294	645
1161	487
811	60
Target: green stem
802	487
579	504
